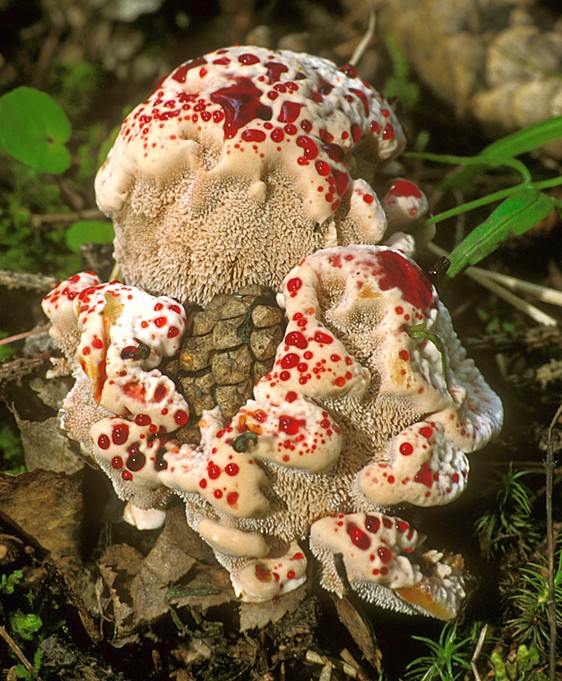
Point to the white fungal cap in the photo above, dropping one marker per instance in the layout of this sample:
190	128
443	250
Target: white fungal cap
291	429
378	316
360	312
426	469
58	305
406	207
232	541
441	591
140	457
261	580
238	153
404	203
377	552
374	547
131	454
143	519
125	333
425	464
477	414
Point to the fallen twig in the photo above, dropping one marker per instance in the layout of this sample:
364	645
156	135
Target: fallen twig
328	665
477	651
18	653
63	219
481	277
14	369
365	40
549	465
532	339
23	335
26	280
542	293
115	273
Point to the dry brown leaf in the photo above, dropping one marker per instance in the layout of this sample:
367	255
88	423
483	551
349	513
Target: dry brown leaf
47	506
118	565
171	558
209	588
261	614
360	630
142	589
51	391
45	446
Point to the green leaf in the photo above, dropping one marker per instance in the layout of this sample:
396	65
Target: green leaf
508	147
512	217
25	625
86	231
34	130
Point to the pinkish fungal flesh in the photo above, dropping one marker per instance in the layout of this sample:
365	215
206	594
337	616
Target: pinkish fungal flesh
241	164
241	152
119	336
371	402
378	554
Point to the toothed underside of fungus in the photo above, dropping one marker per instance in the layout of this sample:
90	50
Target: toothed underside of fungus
241	153
240	165
371	402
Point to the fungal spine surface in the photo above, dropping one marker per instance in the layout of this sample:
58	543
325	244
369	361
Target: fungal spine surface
240	152
356	416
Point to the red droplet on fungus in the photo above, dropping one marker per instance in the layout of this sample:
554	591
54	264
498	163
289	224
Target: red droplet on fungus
213	471
120	434
296	339
426	431
103	442
181	417
357	536
372	524
321	337
384	554
232	469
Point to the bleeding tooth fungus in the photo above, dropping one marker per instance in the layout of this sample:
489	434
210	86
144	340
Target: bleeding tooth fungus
249	166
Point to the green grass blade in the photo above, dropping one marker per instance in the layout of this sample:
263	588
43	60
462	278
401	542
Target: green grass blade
512	217
508	147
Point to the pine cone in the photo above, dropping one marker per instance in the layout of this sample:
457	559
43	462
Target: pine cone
228	347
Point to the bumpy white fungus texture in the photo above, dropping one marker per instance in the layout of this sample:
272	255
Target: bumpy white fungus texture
371	402
377	551
58	305
114	337
239	164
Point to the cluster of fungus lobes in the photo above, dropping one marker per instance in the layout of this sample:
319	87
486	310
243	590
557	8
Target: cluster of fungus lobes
115	336
240	165
371	402
232	150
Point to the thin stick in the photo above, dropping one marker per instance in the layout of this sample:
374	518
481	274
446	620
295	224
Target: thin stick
14	369
477	651
549	465
542	293
25	334
345	667
481	278
26	280
18	653
530	310
62	219
360	49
